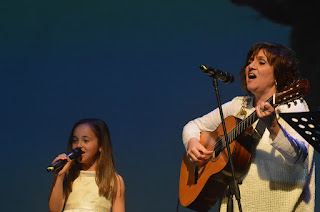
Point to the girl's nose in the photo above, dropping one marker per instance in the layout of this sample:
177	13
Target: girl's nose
79	144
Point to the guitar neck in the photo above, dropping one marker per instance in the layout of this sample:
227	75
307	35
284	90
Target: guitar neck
290	93
246	123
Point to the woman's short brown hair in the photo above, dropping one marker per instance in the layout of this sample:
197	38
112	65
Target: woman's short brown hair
280	57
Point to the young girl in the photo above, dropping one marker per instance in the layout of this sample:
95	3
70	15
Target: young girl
89	183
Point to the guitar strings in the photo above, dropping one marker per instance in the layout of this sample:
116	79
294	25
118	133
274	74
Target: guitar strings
237	130
244	124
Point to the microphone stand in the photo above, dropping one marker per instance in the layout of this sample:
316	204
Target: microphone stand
233	188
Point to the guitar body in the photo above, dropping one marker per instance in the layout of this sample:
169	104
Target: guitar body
201	187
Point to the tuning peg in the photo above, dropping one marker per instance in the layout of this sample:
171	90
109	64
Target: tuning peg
295	102
301	100
289	105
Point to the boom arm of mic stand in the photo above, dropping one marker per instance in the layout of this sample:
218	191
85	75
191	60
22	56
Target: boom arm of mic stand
235	186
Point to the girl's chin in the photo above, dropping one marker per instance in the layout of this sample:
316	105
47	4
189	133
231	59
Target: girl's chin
79	159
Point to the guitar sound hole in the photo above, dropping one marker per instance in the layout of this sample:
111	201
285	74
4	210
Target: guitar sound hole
215	156
218	147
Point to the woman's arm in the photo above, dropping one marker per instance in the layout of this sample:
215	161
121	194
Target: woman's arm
209	122
283	137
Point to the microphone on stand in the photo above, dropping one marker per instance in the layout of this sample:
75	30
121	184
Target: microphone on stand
59	164
217	74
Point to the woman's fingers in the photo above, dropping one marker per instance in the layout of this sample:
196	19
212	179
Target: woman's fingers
198	153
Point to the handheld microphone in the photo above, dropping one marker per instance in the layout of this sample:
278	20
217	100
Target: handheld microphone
217	74
59	164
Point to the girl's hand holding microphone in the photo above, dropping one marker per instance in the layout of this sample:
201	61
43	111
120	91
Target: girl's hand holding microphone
66	160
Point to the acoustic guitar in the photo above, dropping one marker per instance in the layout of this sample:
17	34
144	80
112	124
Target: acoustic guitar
200	187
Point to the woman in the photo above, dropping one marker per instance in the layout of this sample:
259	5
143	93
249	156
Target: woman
91	182
281	176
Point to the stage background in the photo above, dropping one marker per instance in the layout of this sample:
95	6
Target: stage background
134	64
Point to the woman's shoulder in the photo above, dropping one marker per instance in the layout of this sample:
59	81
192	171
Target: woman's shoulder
241	100
233	107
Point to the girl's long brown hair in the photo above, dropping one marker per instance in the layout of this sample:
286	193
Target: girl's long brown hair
106	176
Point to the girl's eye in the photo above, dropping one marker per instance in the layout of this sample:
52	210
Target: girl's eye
74	140
86	141
262	62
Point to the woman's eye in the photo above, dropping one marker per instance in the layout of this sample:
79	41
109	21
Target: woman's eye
86	141
262	62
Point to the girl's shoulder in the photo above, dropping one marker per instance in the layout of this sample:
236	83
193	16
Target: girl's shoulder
119	178
120	183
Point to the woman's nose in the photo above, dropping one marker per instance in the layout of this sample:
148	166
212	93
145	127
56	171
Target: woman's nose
251	65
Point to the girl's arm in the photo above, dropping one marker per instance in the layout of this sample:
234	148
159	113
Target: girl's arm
119	202
57	197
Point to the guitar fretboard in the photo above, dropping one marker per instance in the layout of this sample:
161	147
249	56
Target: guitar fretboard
239	129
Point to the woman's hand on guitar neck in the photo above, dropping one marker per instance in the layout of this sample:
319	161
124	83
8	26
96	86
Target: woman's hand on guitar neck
267	114
197	153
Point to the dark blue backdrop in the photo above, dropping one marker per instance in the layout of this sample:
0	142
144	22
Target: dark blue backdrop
134	64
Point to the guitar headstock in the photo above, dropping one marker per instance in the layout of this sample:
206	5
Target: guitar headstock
292	92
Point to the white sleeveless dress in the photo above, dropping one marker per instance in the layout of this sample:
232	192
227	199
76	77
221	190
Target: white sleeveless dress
85	195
